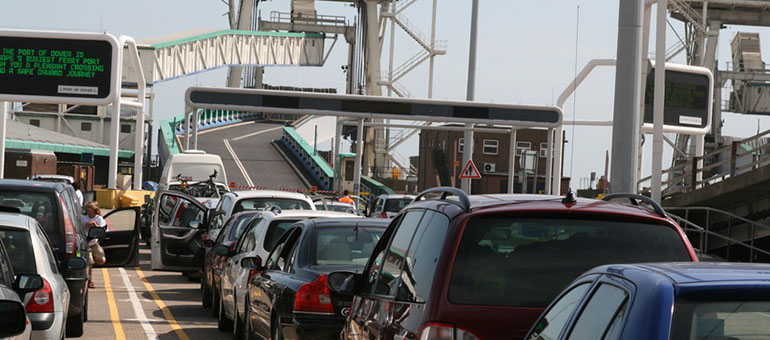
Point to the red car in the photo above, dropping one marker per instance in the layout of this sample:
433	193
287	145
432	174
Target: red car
213	264
484	267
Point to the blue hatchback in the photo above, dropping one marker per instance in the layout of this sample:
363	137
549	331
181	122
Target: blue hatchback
688	301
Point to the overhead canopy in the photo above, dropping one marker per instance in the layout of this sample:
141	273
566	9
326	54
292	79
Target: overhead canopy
24	136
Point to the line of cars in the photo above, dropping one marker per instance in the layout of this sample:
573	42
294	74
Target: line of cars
46	252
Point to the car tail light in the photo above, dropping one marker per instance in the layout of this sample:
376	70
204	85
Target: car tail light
384	214
314	297
252	273
441	331
42	300
69	231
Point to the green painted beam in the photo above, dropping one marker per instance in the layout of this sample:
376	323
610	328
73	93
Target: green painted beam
29	145
235	32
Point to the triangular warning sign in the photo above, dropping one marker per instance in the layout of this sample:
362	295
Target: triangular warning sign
470	171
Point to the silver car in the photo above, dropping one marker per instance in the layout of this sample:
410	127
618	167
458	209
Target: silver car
31	253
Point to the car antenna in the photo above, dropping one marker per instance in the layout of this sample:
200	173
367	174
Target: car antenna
569	198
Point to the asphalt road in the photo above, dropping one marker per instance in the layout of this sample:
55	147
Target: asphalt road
137	304
248	157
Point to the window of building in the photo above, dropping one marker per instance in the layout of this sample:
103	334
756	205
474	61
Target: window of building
543	150
34	122
461	145
85	126
491	146
522	146
125	128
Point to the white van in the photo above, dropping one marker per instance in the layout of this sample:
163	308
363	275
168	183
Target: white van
195	167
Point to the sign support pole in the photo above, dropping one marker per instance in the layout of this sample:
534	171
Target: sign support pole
660	95
112	178
549	163
359	155
336	155
512	161
3	123
195	122
187	128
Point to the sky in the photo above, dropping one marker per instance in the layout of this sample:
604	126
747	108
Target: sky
527	54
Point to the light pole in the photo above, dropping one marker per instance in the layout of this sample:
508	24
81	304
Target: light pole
465	184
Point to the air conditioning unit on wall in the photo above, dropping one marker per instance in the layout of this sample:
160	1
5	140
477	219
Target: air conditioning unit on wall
489	168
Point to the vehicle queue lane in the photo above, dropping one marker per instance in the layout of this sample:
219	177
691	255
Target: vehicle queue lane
137	303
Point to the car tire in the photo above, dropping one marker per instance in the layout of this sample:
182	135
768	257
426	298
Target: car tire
215	304
205	294
276	330
223	324
85	308
75	326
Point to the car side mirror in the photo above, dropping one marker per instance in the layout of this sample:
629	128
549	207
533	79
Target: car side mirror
221	250
94	233
76	263
14	320
252	263
26	283
343	282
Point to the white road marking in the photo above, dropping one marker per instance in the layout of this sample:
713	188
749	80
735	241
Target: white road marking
257	133
138	311
238	163
227	127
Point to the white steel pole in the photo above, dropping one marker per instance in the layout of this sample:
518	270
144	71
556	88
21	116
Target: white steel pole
196	116
392	46
625	131
660	93
112	176
336	155
512	161
359	154
465	184
549	163
187	129
3	123
139	133
432	51
557	145
643	86
700	142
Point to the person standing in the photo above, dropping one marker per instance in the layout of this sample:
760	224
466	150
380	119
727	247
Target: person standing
346	198
93	219
78	193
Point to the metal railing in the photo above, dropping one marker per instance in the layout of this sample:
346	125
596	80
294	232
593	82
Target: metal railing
721	221
736	158
297	18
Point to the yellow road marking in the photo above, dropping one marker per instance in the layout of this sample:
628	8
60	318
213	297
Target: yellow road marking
114	317
163	308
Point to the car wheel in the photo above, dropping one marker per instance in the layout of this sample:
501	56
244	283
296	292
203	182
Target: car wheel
223	323
206	294
75	326
277	330
215	304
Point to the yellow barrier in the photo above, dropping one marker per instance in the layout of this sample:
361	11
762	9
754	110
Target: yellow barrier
113	199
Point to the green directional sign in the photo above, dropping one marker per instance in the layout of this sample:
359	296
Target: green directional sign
58	67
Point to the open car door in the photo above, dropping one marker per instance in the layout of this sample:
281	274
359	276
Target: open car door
179	220
121	237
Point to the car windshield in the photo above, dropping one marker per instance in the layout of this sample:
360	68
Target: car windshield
733	320
396	204
20	250
525	262
274	232
264	203
38	206
344	245
239	225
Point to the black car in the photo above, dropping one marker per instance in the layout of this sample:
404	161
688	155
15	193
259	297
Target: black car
288	297
54	206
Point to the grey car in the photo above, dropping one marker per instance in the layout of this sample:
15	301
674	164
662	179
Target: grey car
30	252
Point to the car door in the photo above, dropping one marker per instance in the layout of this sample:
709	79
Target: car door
268	289
232	268
179	220
121	236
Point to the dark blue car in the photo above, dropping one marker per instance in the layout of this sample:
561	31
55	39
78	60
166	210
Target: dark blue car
676	301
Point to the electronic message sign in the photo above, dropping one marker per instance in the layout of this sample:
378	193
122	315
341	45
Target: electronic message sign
56	67
372	107
689	92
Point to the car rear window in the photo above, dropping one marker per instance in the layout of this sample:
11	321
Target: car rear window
19	247
39	206
525	262
344	245
265	203
721	320
274	232
396	204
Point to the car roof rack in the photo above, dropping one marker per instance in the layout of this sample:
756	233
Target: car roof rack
634	197
463	202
